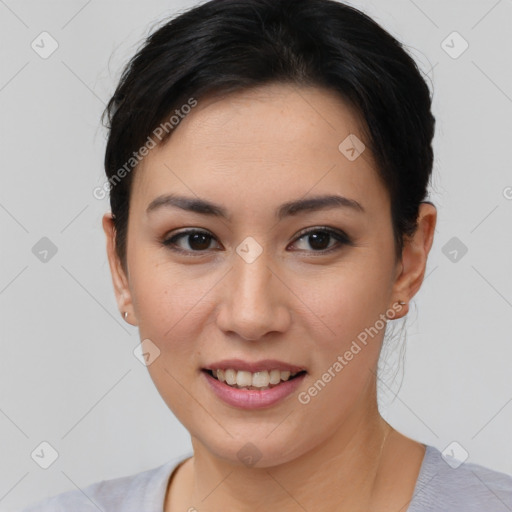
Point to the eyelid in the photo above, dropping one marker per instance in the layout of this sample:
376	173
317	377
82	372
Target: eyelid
183	233
339	235
327	229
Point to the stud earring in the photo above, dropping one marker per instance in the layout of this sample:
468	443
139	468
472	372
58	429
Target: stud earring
125	315
389	311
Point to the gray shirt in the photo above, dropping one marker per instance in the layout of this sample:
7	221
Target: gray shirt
439	488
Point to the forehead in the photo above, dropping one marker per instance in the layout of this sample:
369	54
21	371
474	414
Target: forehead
257	143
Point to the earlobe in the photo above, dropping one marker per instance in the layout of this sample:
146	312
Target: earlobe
415	253
119	279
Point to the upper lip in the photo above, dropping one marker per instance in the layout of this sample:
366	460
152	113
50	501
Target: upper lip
255	366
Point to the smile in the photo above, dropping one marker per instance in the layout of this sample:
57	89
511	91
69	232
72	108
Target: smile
261	380
272	386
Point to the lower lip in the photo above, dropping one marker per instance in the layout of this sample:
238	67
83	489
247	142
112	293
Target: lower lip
252	398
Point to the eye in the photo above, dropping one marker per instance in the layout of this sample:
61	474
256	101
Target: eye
318	238
198	241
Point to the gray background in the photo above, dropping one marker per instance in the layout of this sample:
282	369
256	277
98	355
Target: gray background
68	375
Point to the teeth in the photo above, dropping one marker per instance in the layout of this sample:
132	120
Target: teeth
230	376
275	376
259	379
245	379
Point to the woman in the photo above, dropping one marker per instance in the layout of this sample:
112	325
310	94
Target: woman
268	164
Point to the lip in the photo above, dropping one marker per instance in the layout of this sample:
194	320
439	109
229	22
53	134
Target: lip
256	366
250	399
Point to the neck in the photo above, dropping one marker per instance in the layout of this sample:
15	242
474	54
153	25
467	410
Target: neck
343	470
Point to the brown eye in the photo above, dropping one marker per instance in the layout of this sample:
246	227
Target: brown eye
318	239
197	241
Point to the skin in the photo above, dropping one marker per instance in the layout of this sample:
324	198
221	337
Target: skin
251	152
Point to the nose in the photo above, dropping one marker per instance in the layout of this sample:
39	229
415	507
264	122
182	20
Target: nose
253	300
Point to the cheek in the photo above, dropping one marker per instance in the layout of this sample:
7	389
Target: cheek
162	300
173	305
347	341
345	301
171	308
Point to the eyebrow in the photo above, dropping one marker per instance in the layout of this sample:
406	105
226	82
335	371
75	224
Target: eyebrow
290	208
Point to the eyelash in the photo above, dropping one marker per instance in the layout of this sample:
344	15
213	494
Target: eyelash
341	238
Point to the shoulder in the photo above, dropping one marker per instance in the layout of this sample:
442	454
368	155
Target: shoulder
446	484
137	492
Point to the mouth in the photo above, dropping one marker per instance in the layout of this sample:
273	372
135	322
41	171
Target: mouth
259	381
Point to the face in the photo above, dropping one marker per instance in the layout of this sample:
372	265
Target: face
265	286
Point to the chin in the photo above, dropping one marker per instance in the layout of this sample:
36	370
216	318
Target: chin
251	448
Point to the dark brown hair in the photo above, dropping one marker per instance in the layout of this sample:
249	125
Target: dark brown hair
233	45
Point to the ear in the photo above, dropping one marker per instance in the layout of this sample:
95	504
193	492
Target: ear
119	278
411	269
